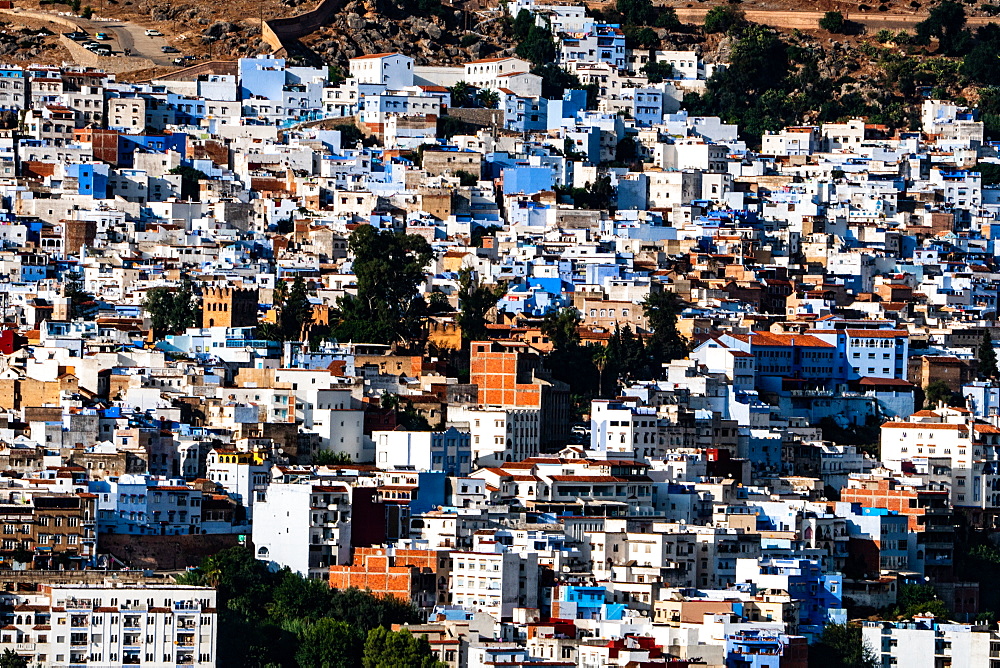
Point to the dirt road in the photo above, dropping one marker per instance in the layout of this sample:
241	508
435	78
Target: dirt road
807	20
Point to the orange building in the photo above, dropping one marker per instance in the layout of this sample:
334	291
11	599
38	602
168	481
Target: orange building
420	576
510	374
927	510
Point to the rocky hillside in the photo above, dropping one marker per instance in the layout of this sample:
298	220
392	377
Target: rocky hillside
442	36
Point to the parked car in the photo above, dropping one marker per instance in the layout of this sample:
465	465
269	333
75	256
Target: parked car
102	36
77	35
153	33
168	49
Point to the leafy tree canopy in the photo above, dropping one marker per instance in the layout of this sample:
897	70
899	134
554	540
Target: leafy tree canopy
987	357
172	310
384	311
272	618
841	646
475	301
723	18
833	22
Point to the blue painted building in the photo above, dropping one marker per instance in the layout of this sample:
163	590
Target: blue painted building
527	180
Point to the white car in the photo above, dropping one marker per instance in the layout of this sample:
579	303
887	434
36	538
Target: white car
153	33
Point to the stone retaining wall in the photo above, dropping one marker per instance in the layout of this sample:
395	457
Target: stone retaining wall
276	32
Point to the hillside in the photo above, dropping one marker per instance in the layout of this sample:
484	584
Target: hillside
879	64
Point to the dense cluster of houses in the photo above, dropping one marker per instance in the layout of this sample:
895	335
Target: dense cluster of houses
831	281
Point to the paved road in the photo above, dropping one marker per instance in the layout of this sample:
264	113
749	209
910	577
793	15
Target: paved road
126	35
133	37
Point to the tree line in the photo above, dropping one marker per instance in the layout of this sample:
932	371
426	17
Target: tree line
281	619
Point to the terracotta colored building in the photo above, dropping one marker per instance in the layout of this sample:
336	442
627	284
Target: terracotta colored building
420	576
510	375
928	511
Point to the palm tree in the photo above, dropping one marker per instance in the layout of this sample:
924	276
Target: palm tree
461	93
488	98
600	360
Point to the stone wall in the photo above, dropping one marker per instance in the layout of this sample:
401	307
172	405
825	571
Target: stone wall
165	552
277	32
486	118
115	64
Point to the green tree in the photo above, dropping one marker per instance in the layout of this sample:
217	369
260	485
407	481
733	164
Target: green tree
596	196
722	18
398	649
537	47
666	18
475	301
600	359
87	12
661	309
833	22
75	6
329	644
523	24
752	92
462	93
987	357
657	71
331	458
946	22
384	311
556	80
265	617
487	98
350	134
626	150
916	599
81	302
190	188
296	312
626	358
938	392
636	12
11	659
641	37
990	172
842	646
159	303
280	293
561	327
186	308
982	63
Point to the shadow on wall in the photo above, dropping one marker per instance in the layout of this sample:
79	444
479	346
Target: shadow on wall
278	32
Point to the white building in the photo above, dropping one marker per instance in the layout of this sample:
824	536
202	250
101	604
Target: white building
244	475
494	583
489	72
622	430
305	526
971	450
144	504
447	451
498	435
108	626
925	642
394	70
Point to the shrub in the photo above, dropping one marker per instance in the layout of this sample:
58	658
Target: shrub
722	18
833	22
